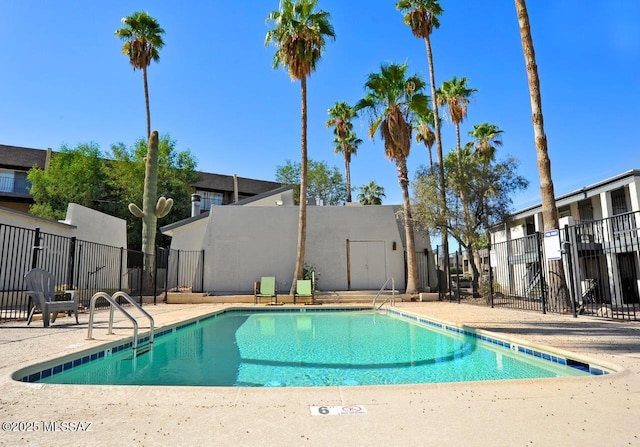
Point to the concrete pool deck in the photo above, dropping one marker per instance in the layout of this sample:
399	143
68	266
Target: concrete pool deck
585	411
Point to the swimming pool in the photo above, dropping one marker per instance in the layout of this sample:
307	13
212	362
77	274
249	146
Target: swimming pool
310	348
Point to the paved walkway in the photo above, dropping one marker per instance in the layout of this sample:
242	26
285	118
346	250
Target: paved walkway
588	411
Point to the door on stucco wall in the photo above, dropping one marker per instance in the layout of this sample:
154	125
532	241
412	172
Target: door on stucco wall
367	268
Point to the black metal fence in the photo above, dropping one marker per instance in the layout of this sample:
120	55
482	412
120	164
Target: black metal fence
185	270
604	257
518	278
88	267
597	273
425	266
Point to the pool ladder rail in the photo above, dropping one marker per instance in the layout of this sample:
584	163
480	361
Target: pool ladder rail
115	305
391	300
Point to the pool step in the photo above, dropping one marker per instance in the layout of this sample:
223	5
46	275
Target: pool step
142	349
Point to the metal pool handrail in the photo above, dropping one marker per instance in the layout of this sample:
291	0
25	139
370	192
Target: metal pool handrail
133	302
391	299
115	304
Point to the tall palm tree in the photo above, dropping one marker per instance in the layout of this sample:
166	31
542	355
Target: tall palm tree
422	16
487	137
142	37
299	33
557	288
371	194
456	95
341	115
393	100
425	133
347	146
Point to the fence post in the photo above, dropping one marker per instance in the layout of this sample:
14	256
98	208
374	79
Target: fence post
72	261
177	270
566	250
490	270
458	267
141	277
166	277
543	285
120	269
36	248
202	274
439	275
155	274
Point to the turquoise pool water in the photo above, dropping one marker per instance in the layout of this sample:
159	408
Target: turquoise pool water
312	348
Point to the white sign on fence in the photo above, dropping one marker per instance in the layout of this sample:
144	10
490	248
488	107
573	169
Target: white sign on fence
552	245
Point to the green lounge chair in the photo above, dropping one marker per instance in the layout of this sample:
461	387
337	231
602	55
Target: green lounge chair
266	288
304	289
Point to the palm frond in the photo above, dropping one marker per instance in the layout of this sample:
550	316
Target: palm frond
299	34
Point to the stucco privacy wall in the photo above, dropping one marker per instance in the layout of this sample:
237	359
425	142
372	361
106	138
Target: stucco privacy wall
188	237
83	223
94	226
244	243
24	220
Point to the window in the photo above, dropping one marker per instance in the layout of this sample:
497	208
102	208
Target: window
618	202
585	210
6	180
564	211
20	183
209	199
14	181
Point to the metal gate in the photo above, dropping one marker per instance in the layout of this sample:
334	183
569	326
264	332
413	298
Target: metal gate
519	279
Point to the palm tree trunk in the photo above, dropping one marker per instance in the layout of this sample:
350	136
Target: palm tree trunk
558	293
459	149
146	100
348	180
444	233
475	273
302	216
347	172
464	197
412	261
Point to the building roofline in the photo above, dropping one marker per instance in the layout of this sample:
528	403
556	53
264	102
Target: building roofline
582	191
192	219
180	223
263	195
33	216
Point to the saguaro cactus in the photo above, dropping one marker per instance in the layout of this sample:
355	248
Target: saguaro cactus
150	213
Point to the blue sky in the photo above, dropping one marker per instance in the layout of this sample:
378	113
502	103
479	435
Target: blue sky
65	81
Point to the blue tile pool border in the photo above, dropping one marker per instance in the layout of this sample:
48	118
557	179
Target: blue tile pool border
84	357
537	353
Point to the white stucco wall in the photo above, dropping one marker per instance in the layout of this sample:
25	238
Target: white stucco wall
517	231
244	243
189	236
31	222
94	226
498	236
82	223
